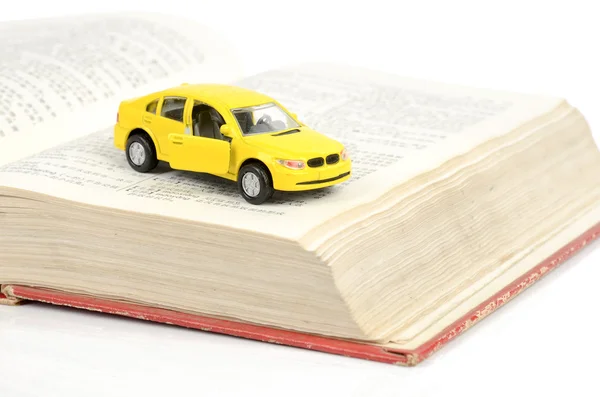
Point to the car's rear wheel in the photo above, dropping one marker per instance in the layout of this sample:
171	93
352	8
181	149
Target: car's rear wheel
141	154
254	183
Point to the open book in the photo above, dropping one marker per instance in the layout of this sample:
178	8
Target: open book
459	197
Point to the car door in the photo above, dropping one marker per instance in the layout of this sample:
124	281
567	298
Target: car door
198	153
168	120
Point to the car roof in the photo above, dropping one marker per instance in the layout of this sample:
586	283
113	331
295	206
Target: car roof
228	95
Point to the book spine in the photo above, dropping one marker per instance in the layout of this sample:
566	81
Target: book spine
7	298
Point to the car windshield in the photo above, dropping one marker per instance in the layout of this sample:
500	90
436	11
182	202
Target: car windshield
263	119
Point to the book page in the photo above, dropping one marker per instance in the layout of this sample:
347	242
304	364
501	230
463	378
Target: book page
62	78
385	120
394	128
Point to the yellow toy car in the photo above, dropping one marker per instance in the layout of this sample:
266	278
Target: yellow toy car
231	132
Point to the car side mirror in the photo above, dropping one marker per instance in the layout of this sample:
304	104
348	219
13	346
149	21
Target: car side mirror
226	131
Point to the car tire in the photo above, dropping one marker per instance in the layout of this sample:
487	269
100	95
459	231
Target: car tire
255	184
141	153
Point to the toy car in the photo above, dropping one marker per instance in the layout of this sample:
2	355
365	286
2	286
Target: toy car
231	132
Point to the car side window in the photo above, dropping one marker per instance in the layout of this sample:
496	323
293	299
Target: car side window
151	108
173	107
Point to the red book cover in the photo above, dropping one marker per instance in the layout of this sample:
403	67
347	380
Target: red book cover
13	294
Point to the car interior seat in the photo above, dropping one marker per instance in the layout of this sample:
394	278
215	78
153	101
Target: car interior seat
244	121
217	123
204	126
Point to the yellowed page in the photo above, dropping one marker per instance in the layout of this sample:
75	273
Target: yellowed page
394	127
428	327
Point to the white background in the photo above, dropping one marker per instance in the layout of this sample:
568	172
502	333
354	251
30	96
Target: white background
546	342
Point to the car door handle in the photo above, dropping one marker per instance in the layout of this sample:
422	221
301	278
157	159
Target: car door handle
147	119
175	138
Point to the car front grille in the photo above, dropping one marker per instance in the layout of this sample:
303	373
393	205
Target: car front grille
316	162
333	158
319	161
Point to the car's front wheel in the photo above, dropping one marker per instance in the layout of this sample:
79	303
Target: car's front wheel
254	183
141	154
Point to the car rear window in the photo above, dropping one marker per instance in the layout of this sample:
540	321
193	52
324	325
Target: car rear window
151	108
172	108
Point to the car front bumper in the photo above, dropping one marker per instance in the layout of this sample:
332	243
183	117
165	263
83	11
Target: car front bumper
310	178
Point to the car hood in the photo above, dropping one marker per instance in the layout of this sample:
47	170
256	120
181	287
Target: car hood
304	144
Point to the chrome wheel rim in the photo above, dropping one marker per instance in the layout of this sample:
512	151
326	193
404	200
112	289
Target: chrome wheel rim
137	154
251	184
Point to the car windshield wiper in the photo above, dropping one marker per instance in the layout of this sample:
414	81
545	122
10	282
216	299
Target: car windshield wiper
292	131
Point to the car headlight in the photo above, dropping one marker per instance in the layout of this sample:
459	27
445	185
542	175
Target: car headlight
292	164
344	154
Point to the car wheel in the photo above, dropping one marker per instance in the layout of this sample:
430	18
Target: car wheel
254	183
141	154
